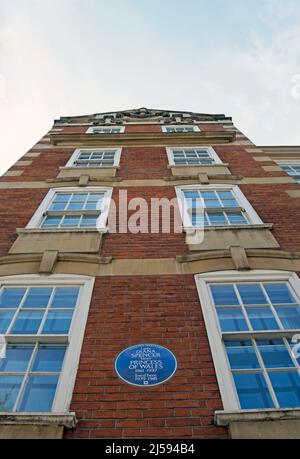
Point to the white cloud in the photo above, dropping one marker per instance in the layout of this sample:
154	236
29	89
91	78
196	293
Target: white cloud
57	59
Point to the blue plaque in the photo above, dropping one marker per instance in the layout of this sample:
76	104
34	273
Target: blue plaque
146	365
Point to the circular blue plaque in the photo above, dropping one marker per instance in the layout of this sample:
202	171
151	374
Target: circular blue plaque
146	365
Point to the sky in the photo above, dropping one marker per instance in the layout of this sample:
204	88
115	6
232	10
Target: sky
73	57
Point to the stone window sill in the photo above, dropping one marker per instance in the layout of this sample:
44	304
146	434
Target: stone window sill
204	166
195	169
224	418
68	240
75	168
193	229
60	230
35	426
66	420
92	171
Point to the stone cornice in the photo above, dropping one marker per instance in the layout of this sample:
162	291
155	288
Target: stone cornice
257	253
143	139
189	264
69	257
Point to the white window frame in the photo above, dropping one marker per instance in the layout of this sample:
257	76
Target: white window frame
78	151
65	387
211	152
36	220
251	214
91	129
226	383
194	126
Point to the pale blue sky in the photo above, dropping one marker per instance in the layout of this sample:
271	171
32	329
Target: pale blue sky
67	57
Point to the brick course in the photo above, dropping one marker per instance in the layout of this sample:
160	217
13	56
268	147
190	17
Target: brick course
128	310
157	309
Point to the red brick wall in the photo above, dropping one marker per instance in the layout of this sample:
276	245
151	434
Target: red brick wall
243	163
144	163
274	205
16	208
149	128
155	309
147	245
159	309
43	167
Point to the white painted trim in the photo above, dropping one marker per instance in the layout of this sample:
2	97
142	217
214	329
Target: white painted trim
213	155
77	152
37	218
253	217
64	391
224	375
91	129
194	126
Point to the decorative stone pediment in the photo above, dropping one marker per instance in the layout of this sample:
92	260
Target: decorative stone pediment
144	114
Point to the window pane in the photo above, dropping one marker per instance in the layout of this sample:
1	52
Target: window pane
262	319
9	388
95	196
198	219
39	394
211	203
208	195
17	359
11	297
236	218
191	194
224	295
195	203
65	297
62	197
252	390
207	161
49	359
5	320
92	205
287	388
58	206
289	316
275	354
242	355
252	294
225	195
231	319
279	293
75	206
51	222
27	323
70	221
229	203
37	298
88	222
78	197
217	219
57	323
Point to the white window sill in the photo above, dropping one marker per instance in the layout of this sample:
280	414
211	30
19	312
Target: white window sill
224	418
67	420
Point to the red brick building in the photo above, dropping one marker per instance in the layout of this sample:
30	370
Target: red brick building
88	269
